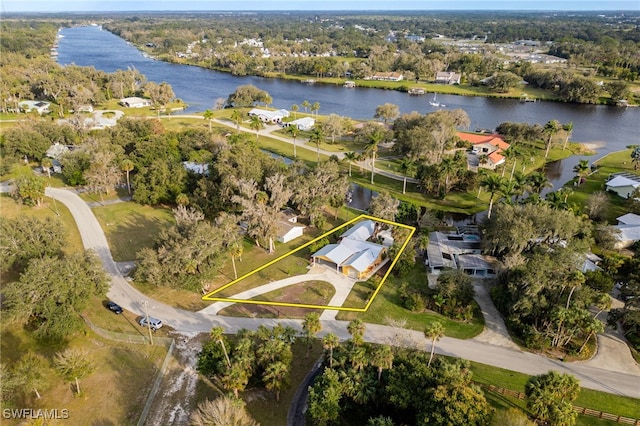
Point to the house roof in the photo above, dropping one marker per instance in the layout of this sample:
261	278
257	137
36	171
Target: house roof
303	121
270	115
628	232
476	261
284	227
629	219
495	158
341	254
361	231
361	261
620	181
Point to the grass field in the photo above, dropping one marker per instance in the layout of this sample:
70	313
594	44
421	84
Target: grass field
387	309
113	394
130	227
619	161
615	404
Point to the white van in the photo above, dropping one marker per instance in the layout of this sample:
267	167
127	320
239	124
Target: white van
154	323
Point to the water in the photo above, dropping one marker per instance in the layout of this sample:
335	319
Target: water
611	128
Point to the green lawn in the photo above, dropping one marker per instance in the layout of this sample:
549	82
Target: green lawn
130	227
387	308
601	401
619	161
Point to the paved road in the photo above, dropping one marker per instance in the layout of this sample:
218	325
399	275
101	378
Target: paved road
621	383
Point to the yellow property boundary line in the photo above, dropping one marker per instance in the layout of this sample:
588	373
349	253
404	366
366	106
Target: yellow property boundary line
210	296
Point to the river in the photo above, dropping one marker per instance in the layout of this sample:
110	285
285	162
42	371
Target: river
611	128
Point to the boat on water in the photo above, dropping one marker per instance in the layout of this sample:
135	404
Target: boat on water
434	102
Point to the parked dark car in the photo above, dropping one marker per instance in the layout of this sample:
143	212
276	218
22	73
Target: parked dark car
114	307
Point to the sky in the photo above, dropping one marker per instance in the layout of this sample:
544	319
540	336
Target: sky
142	5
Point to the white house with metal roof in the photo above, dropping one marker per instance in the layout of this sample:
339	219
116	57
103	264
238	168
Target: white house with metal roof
304	123
267	116
353	255
623	185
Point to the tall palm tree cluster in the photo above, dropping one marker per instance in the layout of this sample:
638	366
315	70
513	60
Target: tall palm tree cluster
264	356
385	385
516	189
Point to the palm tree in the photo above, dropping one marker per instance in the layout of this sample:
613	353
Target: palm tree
317	136
371	148
521	183
538	181
512	153
30	373
315	108
208	115
447	166
556	200
550	129
73	365
568	130
237	117
509	189
47	164
434	332
356	329
382	358
492	183
293	131
275	377
257	125
217	334
306	105
295	108
581	170
127	166
330	341
222	411
311	326
350	157
407	167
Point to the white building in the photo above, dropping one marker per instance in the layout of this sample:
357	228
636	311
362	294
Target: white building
135	102
623	185
41	107
267	116
304	123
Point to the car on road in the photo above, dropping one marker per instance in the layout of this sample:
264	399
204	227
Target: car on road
154	323
114	307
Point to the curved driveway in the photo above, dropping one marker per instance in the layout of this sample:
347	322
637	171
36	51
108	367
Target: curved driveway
616	382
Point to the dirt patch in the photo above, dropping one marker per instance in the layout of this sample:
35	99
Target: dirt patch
174	400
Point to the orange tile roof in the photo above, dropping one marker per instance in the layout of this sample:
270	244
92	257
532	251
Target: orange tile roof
495	158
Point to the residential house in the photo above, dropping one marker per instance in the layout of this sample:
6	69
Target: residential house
267	116
492	146
41	107
196	168
448	78
459	250
288	227
629	219
354	255
386	76
304	123
135	102
627	236
623	185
